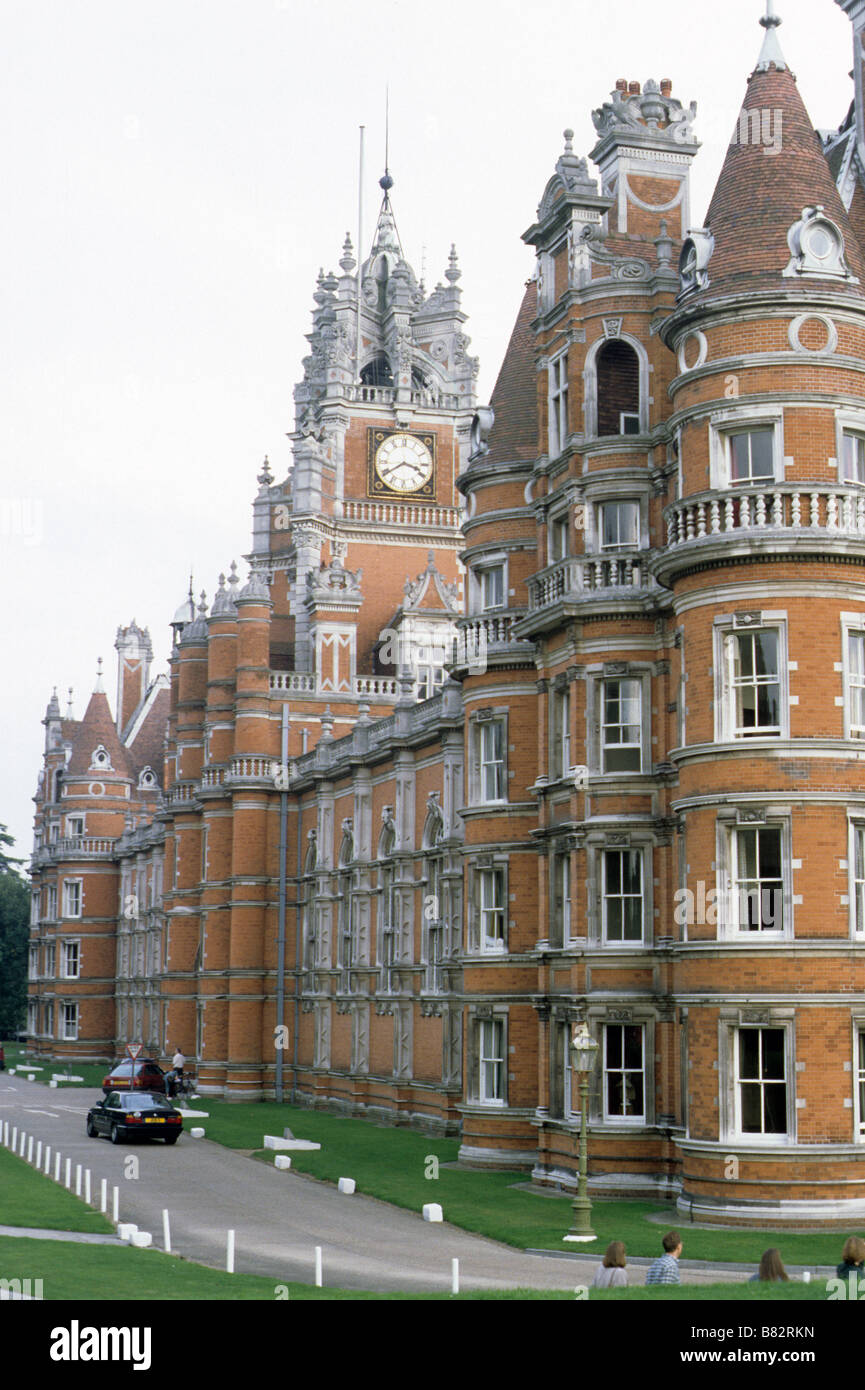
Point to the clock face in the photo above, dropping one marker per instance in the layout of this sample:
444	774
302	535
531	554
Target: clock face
403	463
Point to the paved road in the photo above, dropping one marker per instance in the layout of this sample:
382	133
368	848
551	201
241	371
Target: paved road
279	1217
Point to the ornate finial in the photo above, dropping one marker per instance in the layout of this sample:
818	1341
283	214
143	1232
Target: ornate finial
385	182
347	261
202	607
265	477
232	577
453	271
770	20
70	713
569	141
99	686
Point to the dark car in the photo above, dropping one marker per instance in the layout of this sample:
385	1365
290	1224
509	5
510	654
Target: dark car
123	1114
142	1074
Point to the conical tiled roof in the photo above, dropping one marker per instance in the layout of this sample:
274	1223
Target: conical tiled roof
514	435
775	167
97	727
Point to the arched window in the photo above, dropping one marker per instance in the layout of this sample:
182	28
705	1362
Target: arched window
618	369
377	372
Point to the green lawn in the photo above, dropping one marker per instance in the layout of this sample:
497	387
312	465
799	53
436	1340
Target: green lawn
391	1164
28	1198
18	1057
98	1272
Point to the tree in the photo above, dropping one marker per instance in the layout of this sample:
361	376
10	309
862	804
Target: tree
14	935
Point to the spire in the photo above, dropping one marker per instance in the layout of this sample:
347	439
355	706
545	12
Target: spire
771	51
774	183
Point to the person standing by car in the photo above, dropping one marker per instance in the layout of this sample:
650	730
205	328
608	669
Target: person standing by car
175	1076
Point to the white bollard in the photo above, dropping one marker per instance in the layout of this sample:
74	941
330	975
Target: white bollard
455	1276
53	1085
103	1195
30	1148
6	1133
87	1195
197	1133
432	1212
47	1160
142	1239
39	1153
57	1160
806	1276
68	1183
78	1180
126	1230
229	1254
115	1208
166	1231
346	1185
14	1137
282	1161
318	1266
21	1142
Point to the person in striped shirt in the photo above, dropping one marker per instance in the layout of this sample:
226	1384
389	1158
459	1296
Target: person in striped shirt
665	1270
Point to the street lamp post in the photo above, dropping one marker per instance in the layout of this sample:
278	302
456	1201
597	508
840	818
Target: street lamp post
584	1049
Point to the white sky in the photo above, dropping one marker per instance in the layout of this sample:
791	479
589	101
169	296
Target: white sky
173	173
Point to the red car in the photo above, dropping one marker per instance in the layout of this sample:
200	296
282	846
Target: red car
142	1074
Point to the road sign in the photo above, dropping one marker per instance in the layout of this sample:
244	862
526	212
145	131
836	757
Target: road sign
134	1050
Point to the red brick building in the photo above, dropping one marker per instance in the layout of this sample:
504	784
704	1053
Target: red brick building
545	713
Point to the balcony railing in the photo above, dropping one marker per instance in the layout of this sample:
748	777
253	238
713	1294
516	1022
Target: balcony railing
403	514
75	847
581	575
362	688
780	508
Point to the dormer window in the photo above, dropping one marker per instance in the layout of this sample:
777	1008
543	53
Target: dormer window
694	261
817	248
99	760
147	779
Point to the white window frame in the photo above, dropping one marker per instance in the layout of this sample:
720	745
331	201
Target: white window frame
483	737
729	893
479	573
492	1051
558	537
609	1116
70	946
559	387
856	875
852	626
609	548
492	903
743	419
623	943
561	906
73	903
50	960
848	422
858	1068
727	630
69	1021
33	963
50	903
75	826
560	742
763	1136
604	746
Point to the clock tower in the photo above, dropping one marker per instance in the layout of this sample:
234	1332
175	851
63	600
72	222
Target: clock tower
382	425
